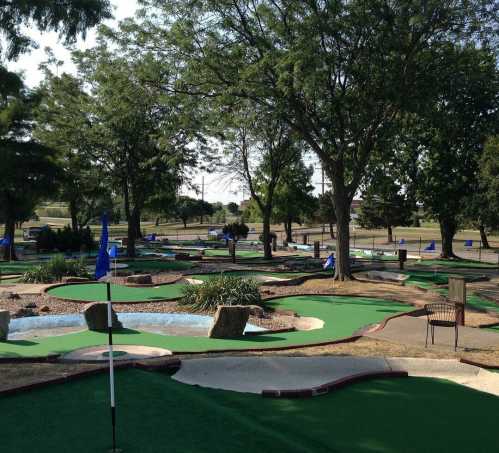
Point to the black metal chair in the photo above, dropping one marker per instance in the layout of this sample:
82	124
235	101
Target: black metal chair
441	314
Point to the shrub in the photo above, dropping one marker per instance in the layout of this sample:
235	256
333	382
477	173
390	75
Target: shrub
55	269
65	240
236	230
223	290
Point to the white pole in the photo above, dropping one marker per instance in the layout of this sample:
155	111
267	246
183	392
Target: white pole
111	362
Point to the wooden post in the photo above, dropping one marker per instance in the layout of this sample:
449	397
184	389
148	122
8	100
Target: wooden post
304	238
457	294
402	257
317	250
274	243
232	250
480	251
419	246
354	240
373	245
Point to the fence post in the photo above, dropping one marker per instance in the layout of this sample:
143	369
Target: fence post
419	253
373	245
480	251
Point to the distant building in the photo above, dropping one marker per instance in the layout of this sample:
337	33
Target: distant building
244	204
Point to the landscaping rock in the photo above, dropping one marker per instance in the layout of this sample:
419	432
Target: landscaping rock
24	313
257	311
4	324
9	295
229	321
45	308
74	279
387	276
30	305
96	316
139	279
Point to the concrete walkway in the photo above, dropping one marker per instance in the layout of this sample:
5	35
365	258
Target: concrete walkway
259	374
411	331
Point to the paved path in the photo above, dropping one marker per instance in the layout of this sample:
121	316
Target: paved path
411	331
256	374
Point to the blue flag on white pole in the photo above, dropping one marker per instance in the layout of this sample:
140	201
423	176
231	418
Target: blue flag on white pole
6	241
113	252
102	264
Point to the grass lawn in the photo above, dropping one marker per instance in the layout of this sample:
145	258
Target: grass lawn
92	292
156	414
342	316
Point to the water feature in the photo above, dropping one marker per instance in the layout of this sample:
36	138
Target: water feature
181	324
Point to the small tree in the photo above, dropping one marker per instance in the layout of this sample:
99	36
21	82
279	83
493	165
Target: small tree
233	208
236	230
384	206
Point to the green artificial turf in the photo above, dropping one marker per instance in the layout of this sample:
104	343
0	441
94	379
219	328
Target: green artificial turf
249	274
342	316
93	292
157	414
239	253
158	265
456	263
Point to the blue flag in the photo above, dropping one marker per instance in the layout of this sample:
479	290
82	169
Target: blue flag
329	264
468	243
113	252
431	247
6	241
102	264
402	241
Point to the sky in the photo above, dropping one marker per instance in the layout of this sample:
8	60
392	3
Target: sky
218	187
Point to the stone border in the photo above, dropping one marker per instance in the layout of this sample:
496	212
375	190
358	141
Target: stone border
171	366
486	366
333	385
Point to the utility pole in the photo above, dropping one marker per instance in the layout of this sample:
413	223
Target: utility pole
202	198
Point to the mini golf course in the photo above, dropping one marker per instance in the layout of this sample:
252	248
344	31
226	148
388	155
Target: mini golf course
239	253
252	274
157	265
156	413
342	316
428	280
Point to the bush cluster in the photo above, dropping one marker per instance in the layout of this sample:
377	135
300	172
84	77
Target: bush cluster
222	290
65	240
55	269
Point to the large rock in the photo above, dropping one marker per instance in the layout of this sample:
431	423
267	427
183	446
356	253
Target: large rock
229	321
387	276
140	279
4	324
96	316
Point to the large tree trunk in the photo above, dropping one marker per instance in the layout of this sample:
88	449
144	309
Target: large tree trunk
342	210
288	227
448	230
132	232
138	231
390	234
483	237
9	252
267	246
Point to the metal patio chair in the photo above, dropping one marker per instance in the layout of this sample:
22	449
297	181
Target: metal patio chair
441	314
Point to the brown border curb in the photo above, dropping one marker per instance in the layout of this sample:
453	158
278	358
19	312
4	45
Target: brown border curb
172	366
486	366
333	385
50	358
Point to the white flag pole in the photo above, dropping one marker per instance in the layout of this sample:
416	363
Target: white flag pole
111	363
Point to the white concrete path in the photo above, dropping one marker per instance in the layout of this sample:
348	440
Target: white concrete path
255	374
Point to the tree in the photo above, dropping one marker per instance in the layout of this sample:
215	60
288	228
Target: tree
261	147
236	230
325	212
293	199
68	17
338	72
233	208
142	138
452	132
187	208
63	125
29	169
482	204
384	205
